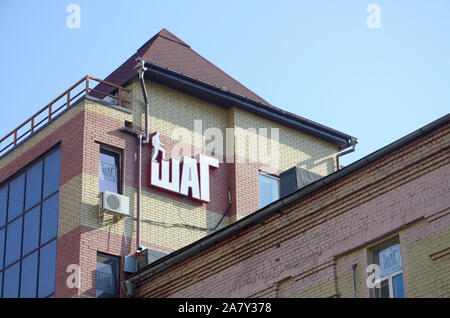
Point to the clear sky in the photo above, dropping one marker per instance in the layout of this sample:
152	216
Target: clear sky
318	59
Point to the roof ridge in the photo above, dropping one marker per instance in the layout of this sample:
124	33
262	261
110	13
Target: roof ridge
229	76
171	37
149	42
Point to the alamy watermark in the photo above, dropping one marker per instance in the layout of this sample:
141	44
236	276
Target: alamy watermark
74	279
374	278
374	19
73	20
232	145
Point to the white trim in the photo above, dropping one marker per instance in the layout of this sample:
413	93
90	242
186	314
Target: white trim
390	284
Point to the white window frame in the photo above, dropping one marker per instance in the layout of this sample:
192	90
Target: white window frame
390	284
376	250
271	177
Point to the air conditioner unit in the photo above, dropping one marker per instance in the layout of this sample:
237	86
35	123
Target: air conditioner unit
115	204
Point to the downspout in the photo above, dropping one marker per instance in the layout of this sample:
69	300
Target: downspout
144	93
138	205
354	141
142	139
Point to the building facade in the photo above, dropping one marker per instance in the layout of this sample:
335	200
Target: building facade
385	217
59	233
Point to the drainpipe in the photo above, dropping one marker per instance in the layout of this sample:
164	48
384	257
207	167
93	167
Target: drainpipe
354	141
142	139
138	213
144	94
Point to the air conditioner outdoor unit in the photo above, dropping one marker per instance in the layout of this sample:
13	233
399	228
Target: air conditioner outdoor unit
115	204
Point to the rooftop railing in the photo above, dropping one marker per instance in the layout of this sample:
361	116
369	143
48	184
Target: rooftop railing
104	90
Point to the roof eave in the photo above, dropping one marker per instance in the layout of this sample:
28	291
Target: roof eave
226	98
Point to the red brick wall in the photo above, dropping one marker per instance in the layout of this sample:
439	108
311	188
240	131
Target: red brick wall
308	249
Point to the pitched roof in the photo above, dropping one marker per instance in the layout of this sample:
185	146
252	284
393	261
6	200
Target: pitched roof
167	50
180	67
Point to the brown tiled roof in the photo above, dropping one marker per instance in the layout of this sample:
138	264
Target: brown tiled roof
164	51
167	50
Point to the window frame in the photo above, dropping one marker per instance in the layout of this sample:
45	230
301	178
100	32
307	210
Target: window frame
118	154
375	260
117	278
270	176
22	215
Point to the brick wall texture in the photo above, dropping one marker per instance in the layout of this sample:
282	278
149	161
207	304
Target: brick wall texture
170	221
309	248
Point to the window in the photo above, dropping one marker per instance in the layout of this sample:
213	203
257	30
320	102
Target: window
28	230
47	269
15	200
269	189
389	258
109	173
107	276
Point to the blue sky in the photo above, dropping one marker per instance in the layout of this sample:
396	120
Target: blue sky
317	59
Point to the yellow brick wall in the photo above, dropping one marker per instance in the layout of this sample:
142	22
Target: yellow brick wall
70	204
171	110
325	288
428	277
295	147
165	222
109	111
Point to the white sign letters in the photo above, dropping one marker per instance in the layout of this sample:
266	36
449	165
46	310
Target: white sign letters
189	177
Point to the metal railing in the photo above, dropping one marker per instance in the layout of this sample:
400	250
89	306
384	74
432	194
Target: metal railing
102	90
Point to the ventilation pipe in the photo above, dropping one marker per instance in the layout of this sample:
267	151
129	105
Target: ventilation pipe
142	139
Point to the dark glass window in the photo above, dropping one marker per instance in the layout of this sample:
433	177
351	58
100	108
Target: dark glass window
2	248
51	173
107	276
109	172
13	241
31	230
28	230
29	276
34	185
383	291
47	268
49	218
3	204
15	201
11	282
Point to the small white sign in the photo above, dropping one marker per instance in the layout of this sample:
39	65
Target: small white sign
108	172
104	279
390	260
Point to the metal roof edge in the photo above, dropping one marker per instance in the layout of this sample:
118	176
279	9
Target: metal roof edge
329	134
